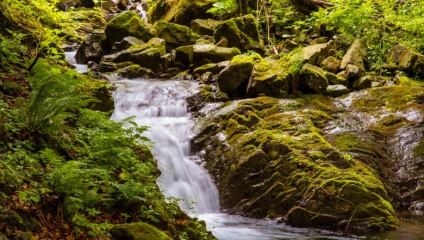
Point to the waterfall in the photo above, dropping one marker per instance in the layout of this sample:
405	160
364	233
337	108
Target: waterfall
162	106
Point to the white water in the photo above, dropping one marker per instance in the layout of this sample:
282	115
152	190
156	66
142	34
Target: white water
161	105
70	56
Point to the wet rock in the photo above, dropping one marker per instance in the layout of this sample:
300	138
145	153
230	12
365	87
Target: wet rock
237	73
312	79
133	71
336	79
336	90
362	83
269	158
181	12
206	77
356	56
269	79
166	61
139	230
408	59
127	24
126	43
204	26
175	35
241	33
92	49
330	64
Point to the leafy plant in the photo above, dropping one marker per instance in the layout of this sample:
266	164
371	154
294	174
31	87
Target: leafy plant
224	7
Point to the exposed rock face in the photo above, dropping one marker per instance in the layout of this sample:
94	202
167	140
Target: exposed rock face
241	32
269	158
236	73
312	79
407	59
92	49
181	12
204	26
175	35
127	24
270	78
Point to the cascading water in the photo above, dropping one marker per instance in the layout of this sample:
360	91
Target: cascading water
161	105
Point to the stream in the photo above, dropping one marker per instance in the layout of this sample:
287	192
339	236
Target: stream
161	105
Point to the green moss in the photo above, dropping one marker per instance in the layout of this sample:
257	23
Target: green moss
138	231
418	150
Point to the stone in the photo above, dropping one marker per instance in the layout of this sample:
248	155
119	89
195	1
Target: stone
336	79
126	43
236	73
200	54
336	90
133	71
166	61
241	32
92	49
137	231
206	77
127	24
330	64
269	79
214	68
312	79
313	53
175	35
147	55
204	26
407	59
356	55
181	12
362	83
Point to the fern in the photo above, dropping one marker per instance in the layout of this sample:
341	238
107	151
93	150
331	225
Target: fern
49	102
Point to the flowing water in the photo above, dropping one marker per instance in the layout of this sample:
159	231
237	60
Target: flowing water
162	106
70	56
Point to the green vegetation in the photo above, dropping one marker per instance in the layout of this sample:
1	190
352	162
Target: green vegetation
66	169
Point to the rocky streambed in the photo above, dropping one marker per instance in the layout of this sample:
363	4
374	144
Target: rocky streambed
304	133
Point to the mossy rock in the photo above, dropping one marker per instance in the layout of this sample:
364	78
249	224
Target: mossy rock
92	49
147	55
236	73
407	59
138	231
127	24
200	54
204	26
312	79
270	78
175	35
356	55
269	158
241	32
181	12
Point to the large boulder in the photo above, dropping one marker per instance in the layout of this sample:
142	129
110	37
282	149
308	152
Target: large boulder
269	78
270	159
312	79
408	59
147	55
181	11
241	32
127	24
204	26
200	54
92	49
237	74
356	55
175	35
